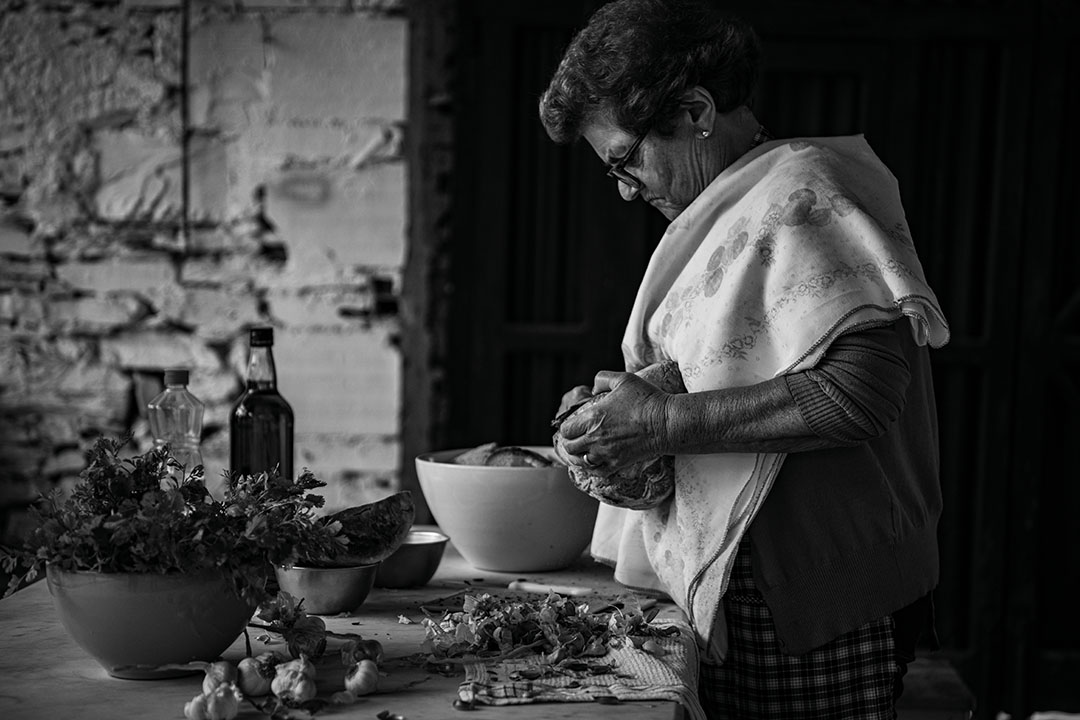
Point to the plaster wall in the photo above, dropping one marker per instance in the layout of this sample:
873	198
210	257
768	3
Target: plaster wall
155	202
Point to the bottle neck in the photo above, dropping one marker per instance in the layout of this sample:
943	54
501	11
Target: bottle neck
261	373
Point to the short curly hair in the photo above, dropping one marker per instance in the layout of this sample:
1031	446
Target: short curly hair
633	59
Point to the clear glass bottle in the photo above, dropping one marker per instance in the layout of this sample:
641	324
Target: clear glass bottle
261	423
176	419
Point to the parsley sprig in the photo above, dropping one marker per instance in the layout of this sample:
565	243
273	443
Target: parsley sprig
146	514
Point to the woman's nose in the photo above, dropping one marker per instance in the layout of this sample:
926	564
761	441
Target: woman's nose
628	192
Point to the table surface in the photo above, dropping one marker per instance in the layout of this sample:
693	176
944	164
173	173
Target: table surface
46	675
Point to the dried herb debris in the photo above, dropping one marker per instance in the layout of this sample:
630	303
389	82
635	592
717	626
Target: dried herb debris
492	628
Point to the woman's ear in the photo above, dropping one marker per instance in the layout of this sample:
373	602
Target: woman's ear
697	103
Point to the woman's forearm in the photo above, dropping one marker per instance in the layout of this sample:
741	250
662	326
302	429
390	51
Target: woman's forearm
852	395
756	418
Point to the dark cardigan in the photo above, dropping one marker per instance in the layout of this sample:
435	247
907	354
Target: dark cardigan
849	534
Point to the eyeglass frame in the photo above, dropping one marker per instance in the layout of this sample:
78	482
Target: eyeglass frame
617	169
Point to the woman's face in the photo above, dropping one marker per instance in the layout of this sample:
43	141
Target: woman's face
670	169
673	170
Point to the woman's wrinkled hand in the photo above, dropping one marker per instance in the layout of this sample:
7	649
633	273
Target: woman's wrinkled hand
624	426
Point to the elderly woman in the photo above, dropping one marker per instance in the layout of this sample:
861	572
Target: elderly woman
799	530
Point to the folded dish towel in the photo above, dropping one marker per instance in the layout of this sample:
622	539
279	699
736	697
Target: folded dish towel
625	674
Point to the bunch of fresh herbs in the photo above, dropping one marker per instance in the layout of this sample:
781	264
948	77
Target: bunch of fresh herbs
145	514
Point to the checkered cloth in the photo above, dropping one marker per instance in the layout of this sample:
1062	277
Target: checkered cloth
632	675
851	678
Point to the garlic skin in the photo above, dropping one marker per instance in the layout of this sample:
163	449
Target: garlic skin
221	703
362	678
292	683
302	664
195	709
218	673
256	673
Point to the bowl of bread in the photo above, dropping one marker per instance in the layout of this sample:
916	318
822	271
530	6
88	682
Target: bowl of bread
507	508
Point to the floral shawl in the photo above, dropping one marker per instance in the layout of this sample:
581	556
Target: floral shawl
794	244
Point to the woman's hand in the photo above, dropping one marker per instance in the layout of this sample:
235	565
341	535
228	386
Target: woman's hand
626	425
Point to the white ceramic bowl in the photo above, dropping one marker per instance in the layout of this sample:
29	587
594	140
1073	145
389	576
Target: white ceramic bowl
508	519
147	626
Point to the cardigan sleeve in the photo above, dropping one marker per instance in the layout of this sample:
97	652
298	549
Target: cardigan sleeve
857	389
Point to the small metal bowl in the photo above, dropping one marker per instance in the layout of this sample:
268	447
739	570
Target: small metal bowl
328	591
415	562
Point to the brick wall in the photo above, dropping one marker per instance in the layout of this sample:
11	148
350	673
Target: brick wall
167	181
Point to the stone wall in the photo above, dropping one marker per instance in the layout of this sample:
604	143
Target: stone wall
170	177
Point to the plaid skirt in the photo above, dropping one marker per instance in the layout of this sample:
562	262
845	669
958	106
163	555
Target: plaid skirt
852	677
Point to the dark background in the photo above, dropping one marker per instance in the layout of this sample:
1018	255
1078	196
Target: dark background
972	106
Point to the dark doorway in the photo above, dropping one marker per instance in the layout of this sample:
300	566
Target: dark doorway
546	254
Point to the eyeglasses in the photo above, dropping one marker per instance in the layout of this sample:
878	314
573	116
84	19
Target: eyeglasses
617	169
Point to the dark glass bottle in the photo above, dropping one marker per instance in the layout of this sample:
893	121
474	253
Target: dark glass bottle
261	423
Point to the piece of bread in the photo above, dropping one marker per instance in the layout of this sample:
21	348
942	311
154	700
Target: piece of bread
492	455
640	486
476	456
513	456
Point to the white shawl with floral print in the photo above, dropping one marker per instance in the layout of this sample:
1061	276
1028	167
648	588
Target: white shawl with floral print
794	244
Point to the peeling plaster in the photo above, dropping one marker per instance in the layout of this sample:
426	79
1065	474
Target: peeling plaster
103	280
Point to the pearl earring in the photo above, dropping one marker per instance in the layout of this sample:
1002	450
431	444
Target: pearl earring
704	133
